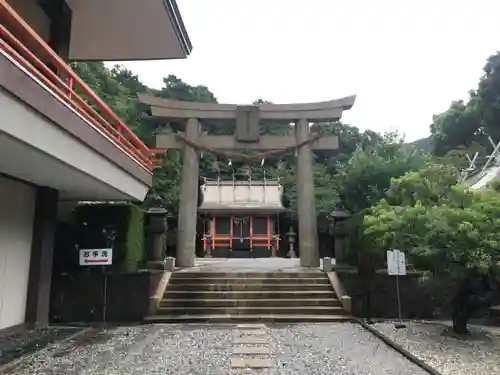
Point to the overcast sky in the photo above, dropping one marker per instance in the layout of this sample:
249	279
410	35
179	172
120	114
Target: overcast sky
405	60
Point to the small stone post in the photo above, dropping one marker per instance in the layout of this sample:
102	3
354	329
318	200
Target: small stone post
273	249
340	234
290	237
327	265
156	229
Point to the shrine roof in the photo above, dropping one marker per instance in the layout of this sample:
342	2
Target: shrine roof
263	197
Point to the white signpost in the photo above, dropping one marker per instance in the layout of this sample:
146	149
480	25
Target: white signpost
98	257
396	266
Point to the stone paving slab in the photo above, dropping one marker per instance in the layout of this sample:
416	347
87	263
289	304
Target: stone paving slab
252	332
252	363
251	350
185	349
250	325
250	340
248	265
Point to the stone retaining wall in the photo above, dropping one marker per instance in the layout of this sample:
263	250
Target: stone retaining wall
420	298
79	297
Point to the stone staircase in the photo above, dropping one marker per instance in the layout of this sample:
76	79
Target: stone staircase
249	297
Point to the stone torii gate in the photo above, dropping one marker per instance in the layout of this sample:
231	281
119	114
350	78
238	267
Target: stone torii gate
246	137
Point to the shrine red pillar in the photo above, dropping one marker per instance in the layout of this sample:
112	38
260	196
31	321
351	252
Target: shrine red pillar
251	232
214	232
231	233
268	232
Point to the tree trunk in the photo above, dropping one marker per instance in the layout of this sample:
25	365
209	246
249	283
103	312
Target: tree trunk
476	292
461	307
460	320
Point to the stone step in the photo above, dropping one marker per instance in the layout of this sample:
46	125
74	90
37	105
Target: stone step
247	318
245	294
282	275
249	310
227	297
236	302
250	287
251	280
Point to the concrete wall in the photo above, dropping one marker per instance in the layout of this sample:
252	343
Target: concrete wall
17	205
34	15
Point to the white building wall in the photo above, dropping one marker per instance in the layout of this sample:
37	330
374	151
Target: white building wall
17	208
58	149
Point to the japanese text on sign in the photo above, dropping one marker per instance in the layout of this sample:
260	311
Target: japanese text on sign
96	257
396	263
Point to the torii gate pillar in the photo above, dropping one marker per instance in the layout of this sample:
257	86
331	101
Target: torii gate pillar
188	199
306	208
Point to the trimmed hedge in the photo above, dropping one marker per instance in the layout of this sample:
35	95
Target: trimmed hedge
116	225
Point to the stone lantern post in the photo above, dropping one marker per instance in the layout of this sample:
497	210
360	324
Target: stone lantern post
290	238
340	234
157	228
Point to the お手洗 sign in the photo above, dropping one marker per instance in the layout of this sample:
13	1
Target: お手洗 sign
96	257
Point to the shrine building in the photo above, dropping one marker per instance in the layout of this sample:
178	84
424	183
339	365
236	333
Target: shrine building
59	142
241	218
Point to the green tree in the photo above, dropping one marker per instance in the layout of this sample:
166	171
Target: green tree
366	177
445	229
466	122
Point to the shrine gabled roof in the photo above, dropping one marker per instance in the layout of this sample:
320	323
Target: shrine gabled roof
241	196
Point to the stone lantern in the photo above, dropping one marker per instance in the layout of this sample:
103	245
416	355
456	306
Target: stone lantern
157	228
290	238
340	233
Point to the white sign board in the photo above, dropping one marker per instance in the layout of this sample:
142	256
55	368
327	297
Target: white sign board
396	263
96	257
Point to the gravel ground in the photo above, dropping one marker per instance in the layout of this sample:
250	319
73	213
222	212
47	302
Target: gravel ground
340	349
25	342
478	355
151	350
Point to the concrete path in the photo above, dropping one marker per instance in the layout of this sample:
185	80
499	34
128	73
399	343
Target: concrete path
247	265
341	349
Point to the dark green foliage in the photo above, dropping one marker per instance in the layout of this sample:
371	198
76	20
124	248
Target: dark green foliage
116	225
423	144
355	238
471	121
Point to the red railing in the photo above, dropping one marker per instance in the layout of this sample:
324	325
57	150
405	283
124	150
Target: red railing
34	55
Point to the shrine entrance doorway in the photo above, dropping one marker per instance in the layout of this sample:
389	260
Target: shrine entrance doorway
241	233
